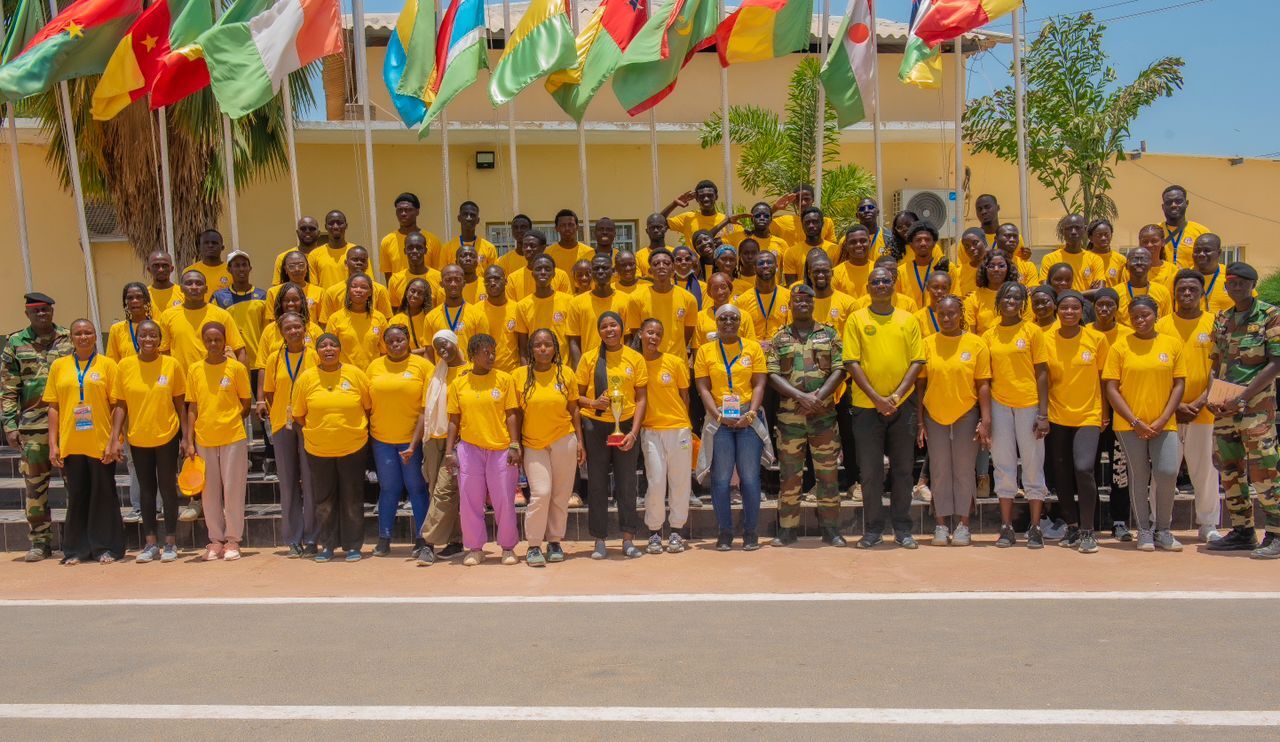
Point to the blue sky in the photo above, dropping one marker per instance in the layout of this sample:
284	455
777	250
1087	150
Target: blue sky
1224	44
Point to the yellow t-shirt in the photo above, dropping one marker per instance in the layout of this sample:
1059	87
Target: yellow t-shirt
397	390
360	335
664	408
272	341
885	345
218	391
465	321
1180	253
707	331
545	404
964	278
625	366
334	405
501	319
520	283
746	359
768	313
278	263
311	291
417	326
482	403
510	262
981	313
928	321
391	257
688	222
770	243
953	366
788	227
852	279
147	389
181	330
163	299
1028	274
335	298
1196	338
400	281
913	281
1157	291
121	340
565	257
277	382
793	259
1086	267
585	310
215	277
447	253
328	265
1164	275
1075	389
1113	268
1015	351
1146	370
834	310
63	389
1117	331
545	313
900	301
676	309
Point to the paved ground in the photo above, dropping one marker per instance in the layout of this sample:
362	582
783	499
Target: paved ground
889	644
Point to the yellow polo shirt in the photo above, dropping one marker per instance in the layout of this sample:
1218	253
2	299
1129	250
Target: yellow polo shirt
885	345
63	389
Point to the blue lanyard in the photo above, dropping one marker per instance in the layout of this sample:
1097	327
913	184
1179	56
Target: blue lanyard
453	321
1175	239
916	269
80	373
294	370
1129	285
133	334
934	319
764	314
728	364
1208	292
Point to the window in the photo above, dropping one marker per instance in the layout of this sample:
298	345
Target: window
100	217
499	233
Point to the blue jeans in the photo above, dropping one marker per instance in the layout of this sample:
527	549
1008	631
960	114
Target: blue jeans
740	448
396	476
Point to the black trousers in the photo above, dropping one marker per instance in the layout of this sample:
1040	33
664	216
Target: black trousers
94	526
1074	451
603	459
338	486
157	469
1119	505
878	435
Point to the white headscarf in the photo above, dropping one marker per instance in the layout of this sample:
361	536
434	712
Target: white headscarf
436	408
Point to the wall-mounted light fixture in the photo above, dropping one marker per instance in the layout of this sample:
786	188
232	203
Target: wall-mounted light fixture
485	160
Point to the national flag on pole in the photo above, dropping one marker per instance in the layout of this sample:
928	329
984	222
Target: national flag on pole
134	65
848	75
948	19
599	48
24	24
76	43
248	62
541	42
651	64
763	29
183	71
460	55
921	64
415	29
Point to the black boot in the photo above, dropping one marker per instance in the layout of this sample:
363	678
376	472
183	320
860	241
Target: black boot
784	537
383	548
725	541
831	535
1240	538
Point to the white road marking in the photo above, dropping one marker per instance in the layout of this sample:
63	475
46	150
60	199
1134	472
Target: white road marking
650	598
878	716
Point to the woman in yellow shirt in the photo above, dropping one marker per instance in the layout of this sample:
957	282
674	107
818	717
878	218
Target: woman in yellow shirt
936	289
981	310
1019	411
331	403
686	272
1144	376
953	404
1077	413
1105	304
609	373
1044	309
148	396
1100	233
397	387
483	447
78	392
282	367
122	338
290	299
551	431
357	325
720	292
666	440
294	269
412	315
218	396
730	376
442	525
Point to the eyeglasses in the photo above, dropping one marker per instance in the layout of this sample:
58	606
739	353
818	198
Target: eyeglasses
880	282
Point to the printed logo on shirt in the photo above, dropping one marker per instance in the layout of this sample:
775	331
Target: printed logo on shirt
162	380
511	325
482	298
306	339
407	374
1086	356
966	356
1164	357
1088	272
495	393
630	371
226	382
833	312
1203	338
745	362
666	377
680	313
1021	344
377	330
869	329
345	385
557	317
93	376
224	281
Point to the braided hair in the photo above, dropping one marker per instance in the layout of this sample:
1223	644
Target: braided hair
557	362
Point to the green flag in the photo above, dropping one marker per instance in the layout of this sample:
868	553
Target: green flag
648	70
26	22
76	43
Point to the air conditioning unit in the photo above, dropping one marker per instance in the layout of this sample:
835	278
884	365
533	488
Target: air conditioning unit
933	205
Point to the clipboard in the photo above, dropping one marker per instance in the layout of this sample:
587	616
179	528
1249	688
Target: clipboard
1221	391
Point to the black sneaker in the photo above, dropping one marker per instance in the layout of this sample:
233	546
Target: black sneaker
418	545
1240	538
1071	539
906	541
725	541
1088	543
1007	537
451	550
426	556
1121	532
309	551
554	552
870	540
784	537
1035	538
832	537
750	541
383	548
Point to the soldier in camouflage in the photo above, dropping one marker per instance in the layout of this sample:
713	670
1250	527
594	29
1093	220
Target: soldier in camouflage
806	366
1247	352
26	358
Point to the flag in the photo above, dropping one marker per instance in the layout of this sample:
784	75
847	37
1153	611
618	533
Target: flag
415	30
648	70
183	71
921	65
76	43
249	61
133	66
460	54
763	29
599	48
948	19
541	42
26	22
848	73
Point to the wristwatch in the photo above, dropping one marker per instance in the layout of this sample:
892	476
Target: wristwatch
894	399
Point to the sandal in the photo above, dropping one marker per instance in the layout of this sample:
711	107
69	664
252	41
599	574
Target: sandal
71	561
106	558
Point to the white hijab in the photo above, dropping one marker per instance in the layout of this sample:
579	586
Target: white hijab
436	408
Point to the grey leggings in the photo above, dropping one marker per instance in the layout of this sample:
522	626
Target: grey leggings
1157	458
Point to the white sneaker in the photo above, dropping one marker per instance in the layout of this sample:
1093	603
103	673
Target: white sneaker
1053	530
922	492
1209	534
961	537
191	513
940	534
855	492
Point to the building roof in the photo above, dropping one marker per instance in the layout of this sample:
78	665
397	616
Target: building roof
892	35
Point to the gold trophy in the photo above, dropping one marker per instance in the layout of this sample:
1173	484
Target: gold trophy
615	407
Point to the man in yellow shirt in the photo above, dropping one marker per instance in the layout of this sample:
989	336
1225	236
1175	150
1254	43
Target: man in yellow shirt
972	254
761	217
883	355
1180	235
787	226
513	259
868	215
585	310
468	222
520	283
568	249
1088	271
328	262
766	303
1207	255
463	318
415	253
335	297
500	313
1009	240
988	211
308	231
655	228
606	233
811	222
706	217
391	255
210	265
668	303
914	274
850	276
164	292
182	327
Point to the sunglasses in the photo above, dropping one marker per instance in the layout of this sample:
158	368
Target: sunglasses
881	282
867	207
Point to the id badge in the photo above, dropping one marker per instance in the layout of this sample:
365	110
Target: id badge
83	415
731	406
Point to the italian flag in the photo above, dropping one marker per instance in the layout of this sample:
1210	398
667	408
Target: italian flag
848	75
248	62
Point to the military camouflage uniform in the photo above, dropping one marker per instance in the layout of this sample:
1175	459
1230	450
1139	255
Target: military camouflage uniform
1243	345
806	363
25	370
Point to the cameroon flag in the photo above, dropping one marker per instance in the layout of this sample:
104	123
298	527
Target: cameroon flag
133	68
763	29
76	43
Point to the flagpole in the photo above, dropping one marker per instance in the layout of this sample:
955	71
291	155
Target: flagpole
286	97
77	193
822	107
653	137
959	134
511	113
362	89
166	184
229	174
1020	113
875	108
726	147
582	145
20	200
444	162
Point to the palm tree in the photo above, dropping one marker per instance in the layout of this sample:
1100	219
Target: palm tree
777	156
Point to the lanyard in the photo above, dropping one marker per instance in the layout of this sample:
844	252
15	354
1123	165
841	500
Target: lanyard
80	373
457	318
413	334
1175	239
876	237
1129	285
1208	292
293	371
728	364
773	300
919	281
934	319
133	334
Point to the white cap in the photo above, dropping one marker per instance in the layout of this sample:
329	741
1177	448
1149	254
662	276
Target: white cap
238	254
